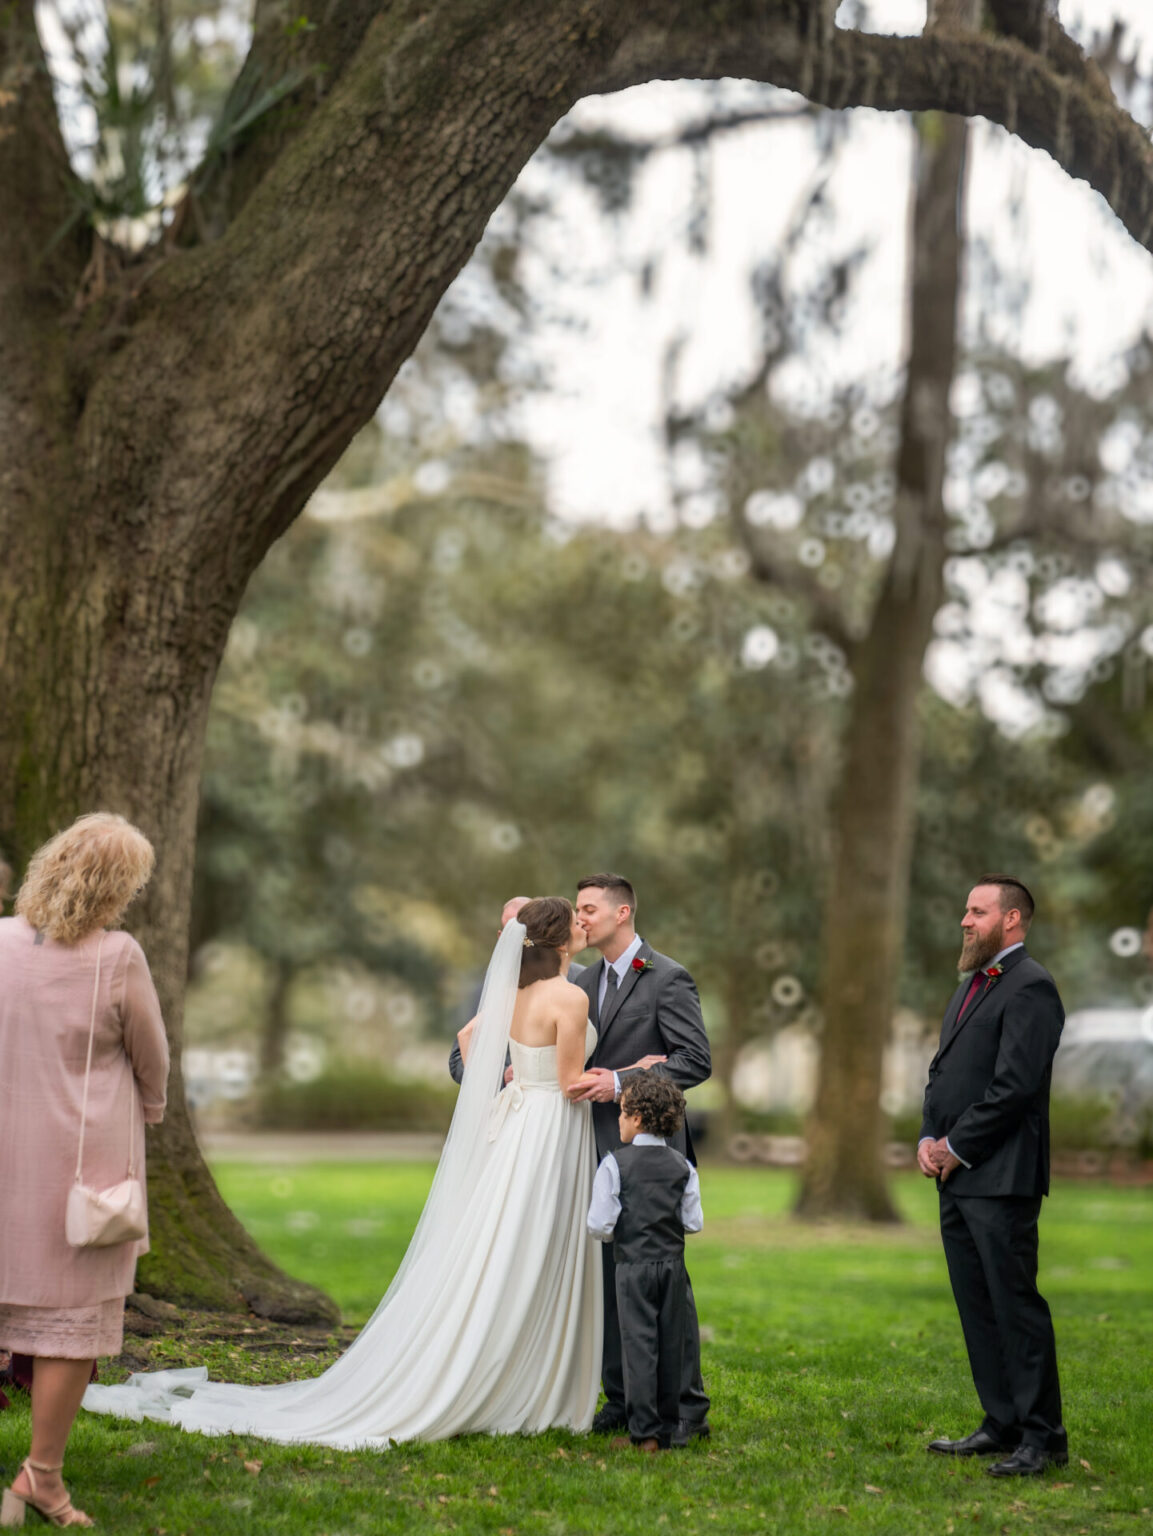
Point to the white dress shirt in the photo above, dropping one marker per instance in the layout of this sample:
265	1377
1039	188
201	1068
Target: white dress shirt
621	966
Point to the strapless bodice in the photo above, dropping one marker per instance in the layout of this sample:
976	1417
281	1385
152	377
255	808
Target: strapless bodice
535	1065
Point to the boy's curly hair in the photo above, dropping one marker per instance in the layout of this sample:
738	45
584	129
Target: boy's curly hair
657	1100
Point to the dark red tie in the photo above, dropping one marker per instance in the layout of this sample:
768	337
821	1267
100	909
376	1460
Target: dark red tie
974	988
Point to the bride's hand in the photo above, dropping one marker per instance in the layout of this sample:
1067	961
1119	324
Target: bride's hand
596	1085
644	1063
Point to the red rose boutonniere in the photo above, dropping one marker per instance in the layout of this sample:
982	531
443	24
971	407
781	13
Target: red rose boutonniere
991	974
641	965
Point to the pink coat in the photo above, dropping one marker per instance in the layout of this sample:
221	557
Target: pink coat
45	1007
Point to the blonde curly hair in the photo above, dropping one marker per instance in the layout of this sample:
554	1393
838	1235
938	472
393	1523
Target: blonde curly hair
84	878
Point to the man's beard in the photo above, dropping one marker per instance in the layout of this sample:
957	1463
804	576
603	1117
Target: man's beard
977	952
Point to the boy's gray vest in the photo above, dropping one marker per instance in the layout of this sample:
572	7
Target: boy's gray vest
649	1229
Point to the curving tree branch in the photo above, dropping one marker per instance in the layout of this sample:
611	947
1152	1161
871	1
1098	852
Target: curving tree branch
1055	99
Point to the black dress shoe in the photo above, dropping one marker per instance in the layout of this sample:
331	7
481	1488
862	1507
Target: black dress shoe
609	1419
1028	1461
688	1430
979	1443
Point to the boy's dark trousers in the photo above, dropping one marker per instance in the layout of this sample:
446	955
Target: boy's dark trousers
651	1304
652	1288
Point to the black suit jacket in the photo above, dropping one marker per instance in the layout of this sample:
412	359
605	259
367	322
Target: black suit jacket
988	1088
654	1012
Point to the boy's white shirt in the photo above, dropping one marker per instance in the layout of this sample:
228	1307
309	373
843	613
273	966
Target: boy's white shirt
605	1207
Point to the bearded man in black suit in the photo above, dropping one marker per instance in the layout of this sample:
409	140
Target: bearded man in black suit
648	1016
985	1138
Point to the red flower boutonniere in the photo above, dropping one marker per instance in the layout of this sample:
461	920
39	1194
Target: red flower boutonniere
993	971
642	965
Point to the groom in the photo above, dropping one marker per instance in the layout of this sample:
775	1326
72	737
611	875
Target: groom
985	1138
647	1013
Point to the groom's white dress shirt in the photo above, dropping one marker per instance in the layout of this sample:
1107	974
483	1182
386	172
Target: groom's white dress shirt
621	966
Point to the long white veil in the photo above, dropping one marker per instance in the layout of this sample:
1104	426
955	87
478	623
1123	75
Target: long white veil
460	1170
384	1382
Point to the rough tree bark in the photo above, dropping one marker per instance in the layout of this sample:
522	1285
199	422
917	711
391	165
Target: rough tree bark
155	439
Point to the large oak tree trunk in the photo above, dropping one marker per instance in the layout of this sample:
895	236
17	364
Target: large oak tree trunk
156	440
875	805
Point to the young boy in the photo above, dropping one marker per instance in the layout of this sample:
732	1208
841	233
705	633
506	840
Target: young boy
646	1196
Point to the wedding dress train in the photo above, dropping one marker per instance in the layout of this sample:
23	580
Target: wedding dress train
493	1322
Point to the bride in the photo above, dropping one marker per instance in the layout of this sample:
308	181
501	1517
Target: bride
493	1320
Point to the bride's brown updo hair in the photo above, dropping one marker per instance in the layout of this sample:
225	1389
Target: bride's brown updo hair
548	923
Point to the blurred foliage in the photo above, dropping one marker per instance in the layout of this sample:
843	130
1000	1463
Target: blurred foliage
141	87
475	702
505	706
360	1099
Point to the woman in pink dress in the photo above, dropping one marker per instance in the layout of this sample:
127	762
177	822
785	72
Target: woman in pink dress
64	1306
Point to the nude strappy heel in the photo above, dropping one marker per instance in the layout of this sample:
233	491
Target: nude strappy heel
15	1505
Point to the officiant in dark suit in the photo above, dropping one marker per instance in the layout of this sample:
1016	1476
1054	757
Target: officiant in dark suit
985	1138
647	1013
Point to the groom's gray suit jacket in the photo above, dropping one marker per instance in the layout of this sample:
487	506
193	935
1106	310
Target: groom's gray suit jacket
654	1012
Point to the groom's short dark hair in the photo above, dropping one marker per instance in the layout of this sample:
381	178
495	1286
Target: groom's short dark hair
1013	894
615	887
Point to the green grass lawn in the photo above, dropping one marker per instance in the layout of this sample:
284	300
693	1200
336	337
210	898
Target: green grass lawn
832	1356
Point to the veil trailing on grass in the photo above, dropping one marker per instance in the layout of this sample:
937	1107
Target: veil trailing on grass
430	1353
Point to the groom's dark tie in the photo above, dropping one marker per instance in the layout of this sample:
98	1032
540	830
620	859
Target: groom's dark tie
610	984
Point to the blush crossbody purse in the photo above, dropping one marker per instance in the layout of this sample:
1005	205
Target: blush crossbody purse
101	1218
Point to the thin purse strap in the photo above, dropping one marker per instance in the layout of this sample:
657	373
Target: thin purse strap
88	1064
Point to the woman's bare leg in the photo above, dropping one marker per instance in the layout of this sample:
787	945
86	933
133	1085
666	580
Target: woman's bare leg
57	1388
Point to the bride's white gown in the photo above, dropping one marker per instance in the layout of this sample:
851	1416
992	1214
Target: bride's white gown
493	1322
